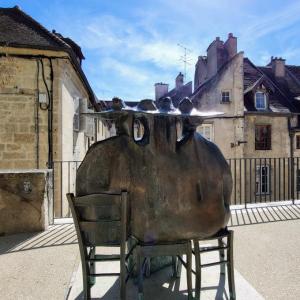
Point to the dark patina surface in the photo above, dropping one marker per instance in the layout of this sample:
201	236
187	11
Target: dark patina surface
179	188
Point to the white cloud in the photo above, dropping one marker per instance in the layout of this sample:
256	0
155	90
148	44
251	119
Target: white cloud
124	70
271	22
132	51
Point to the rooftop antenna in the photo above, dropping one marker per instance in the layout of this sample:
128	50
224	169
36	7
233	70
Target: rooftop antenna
184	58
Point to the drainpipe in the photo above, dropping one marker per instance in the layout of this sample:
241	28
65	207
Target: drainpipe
292	135
37	122
49	107
50	160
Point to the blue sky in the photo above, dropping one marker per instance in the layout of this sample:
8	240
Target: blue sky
129	45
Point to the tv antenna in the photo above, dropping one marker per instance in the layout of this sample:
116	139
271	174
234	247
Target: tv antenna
185	58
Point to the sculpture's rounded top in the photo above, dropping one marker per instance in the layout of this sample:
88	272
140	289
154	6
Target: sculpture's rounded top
185	105
146	105
166	104
118	104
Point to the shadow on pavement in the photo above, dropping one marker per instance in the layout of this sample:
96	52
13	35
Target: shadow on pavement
56	235
264	214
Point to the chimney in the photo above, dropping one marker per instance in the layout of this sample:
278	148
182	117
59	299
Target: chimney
179	81
231	45
215	57
161	89
278	66
200	71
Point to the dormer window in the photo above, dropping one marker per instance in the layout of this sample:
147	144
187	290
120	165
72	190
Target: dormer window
260	101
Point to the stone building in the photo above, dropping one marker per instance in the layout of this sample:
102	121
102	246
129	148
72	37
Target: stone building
43	90
261	107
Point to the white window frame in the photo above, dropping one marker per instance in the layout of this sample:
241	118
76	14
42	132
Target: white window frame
229	96
201	130
258	180
265	100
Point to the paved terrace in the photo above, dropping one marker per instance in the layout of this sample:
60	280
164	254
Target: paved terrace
266	249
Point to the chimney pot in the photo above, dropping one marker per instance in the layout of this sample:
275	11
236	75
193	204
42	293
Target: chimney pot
230	35
278	66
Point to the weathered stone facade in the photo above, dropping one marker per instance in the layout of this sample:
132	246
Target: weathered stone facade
43	92
229	84
234	131
24	122
25	200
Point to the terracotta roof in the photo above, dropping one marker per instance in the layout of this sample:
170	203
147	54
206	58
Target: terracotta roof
19	30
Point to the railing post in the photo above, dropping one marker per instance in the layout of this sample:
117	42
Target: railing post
293	180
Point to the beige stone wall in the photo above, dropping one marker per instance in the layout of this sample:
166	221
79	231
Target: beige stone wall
280	140
18	115
24	125
74	144
25	200
228	129
230	80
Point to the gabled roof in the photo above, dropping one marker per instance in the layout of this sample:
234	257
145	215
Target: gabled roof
279	96
177	94
263	80
211	82
19	30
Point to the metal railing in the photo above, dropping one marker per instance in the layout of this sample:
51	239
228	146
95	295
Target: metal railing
261	180
64	181
255	180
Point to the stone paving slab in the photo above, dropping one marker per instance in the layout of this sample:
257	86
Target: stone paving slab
38	266
266	242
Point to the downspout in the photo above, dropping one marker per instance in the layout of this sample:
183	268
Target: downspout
50	160
49	107
37	122
292	135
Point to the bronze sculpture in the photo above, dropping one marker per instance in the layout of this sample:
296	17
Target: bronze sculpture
179	187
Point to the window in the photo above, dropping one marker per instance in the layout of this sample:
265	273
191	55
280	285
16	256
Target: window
298	180
206	130
262	179
263	137
225	97
260	101
297	141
